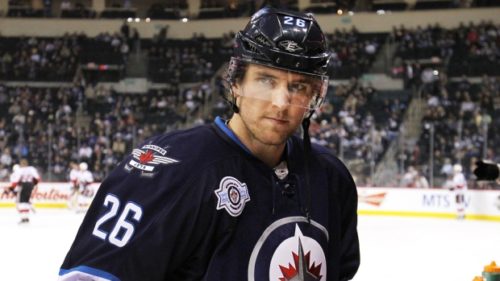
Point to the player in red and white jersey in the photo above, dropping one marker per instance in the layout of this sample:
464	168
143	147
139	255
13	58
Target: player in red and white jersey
84	176
73	174
459	186
73	179
83	180
25	179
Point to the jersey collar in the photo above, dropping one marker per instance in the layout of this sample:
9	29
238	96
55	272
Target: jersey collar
219	122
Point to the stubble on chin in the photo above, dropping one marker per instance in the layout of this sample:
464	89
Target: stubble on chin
270	135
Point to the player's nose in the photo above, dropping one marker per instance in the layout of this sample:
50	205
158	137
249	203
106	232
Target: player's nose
280	97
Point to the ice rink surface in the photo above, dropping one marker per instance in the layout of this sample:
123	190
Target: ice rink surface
392	248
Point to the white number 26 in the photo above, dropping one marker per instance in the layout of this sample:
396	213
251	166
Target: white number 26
293	21
123	229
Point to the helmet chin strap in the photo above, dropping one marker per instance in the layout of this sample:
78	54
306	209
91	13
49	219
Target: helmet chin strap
307	154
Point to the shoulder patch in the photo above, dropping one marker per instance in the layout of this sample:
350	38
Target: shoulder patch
147	158
232	196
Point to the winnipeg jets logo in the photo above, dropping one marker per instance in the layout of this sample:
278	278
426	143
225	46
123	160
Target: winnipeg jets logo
147	158
290	249
232	196
290	46
298	258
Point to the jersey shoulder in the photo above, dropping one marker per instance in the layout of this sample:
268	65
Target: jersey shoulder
198	145
175	157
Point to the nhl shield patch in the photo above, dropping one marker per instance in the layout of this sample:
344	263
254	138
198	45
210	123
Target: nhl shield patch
232	196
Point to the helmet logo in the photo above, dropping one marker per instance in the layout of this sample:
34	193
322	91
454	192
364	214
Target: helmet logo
290	46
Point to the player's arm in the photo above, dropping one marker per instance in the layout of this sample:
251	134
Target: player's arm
14	180
36	176
140	228
344	207
350	253
10	188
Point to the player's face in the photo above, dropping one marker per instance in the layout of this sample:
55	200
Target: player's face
272	103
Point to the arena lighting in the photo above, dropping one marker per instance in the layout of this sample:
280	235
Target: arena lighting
138	19
184	20
339	12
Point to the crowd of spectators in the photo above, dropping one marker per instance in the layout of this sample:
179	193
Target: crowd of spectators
58	59
38	123
353	53
460	122
35	59
185	61
472	50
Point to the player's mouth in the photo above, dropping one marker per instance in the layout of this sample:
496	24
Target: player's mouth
277	121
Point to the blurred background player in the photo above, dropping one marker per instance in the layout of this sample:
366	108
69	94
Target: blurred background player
25	179
457	183
73	179
83	191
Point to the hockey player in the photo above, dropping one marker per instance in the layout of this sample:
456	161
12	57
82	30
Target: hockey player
459	187
73	179
240	199
84	179
80	178
25	178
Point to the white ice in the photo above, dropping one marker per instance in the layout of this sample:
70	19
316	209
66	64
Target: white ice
392	248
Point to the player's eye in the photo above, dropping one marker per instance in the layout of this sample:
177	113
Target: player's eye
299	88
266	81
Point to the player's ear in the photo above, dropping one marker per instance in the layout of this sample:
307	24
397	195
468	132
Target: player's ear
235	89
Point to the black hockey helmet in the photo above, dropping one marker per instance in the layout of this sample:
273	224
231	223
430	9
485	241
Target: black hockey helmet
283	39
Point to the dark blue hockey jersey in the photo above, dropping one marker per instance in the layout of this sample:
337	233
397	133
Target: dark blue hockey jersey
197	205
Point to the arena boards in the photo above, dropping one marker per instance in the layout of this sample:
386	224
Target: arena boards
380	201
